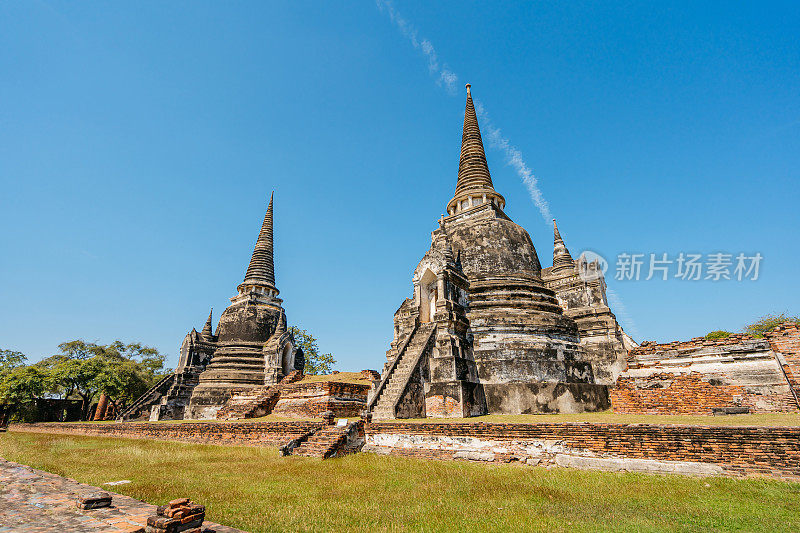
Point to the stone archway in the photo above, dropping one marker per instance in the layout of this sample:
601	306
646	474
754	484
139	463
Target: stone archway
287	359
428	295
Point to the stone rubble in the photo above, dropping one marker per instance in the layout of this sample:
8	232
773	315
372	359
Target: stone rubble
94	500
178	516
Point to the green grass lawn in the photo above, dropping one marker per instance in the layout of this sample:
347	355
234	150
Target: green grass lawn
254	489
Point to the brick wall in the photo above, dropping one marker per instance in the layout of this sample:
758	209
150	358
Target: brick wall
310	400
736	451
665	393
785	339
635	359
231	433
769	451
696	376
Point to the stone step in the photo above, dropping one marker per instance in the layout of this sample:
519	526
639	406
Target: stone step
322	443
396	382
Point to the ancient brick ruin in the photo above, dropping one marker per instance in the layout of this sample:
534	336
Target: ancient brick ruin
311	400
737	374
651	448
292	398
487	330
580	288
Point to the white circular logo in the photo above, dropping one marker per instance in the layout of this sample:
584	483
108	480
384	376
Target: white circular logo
591	265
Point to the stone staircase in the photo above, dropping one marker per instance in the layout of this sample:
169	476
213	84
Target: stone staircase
391	388
141	407
330	441
255	402
173	403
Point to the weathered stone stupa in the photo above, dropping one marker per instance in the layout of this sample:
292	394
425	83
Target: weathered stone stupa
483	331
251	347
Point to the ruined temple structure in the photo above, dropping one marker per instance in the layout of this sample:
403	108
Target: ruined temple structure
250	348
731	375
580	288
487	330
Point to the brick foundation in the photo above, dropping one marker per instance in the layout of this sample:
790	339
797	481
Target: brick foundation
735	451
705	450
228	433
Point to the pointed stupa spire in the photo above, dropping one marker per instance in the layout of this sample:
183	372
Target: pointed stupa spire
556	234
561	256
207	331
473	170
474	186
261	271
281	326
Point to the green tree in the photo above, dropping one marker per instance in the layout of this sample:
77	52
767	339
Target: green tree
19	388
122	371
74	377
16	387
316	363
23	384
20	385
768	322
718	334
9	360
122	381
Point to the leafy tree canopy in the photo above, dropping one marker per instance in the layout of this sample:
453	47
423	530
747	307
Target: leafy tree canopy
122	371
9	360
16	382
718	334
23	383
316	363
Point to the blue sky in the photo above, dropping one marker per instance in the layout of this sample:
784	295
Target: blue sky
139	143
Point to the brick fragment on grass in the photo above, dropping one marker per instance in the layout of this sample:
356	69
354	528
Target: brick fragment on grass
178	516
94	500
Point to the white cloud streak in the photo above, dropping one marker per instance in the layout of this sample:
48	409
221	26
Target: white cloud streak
443	75
446	77
514	160
622	313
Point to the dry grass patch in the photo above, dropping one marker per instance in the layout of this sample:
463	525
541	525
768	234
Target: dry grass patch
339	377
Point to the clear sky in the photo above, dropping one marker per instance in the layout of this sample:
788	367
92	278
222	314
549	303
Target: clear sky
139	143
